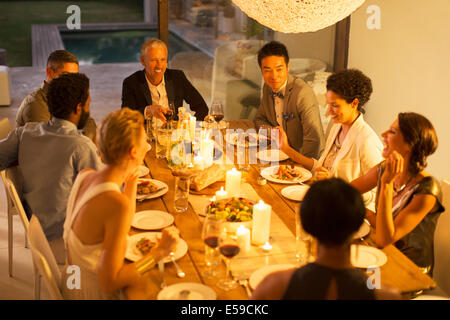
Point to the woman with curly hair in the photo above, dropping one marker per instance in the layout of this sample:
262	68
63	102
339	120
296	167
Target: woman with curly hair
408	200
352	147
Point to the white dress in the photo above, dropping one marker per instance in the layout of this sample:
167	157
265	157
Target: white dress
86	257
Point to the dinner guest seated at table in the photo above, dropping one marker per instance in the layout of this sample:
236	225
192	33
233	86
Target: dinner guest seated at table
34	108
352	147
150	90
50	154
409	200
288	101
99	216
332	276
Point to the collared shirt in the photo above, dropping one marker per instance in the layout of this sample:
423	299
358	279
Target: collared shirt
279	104
50	155
158	93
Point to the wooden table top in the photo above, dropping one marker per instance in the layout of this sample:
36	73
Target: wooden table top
399	271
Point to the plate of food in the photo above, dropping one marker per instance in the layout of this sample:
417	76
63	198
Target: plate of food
366	257
187	291
272	155
150	188
143	171
152	220
286	174
141	243
295	193
234	211
257	276
250	138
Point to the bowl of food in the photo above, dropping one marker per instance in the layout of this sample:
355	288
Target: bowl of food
234	212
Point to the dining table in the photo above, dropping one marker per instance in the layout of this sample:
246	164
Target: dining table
399	271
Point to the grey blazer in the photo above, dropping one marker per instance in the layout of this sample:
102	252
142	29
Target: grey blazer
301	113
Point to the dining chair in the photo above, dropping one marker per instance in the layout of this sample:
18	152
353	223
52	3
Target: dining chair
13	176
44	260
442	243
5	128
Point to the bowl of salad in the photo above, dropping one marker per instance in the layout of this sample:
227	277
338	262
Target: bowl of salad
233	211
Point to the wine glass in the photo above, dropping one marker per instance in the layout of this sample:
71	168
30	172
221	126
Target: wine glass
217	111
210	234
228	247
170	115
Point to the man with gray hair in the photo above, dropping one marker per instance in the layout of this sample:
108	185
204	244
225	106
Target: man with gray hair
150	90
34	108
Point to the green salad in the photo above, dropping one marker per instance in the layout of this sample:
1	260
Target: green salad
232	209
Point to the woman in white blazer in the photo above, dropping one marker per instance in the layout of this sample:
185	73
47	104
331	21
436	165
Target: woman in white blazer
352	147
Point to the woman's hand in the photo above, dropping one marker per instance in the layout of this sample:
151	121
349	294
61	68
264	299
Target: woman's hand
131	179
394	166
322	173
167	244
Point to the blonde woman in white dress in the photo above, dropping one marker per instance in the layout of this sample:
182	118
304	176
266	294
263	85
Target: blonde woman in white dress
99	216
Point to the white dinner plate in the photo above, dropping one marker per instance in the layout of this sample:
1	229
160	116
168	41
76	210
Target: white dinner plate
367	257
143	171
269	171
258	275
152	220
252	138
272	155
133	253
295	193
163	188
187	291
363	230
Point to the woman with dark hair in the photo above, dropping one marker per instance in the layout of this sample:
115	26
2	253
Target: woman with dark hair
409	200
352	147
331	276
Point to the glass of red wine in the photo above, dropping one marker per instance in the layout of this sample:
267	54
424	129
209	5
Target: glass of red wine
216	111
212	228
228	247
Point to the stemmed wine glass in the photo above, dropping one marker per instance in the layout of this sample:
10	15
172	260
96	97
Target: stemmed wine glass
228	247
212	227
217	111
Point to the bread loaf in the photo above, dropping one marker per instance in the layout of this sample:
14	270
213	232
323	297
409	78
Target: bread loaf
208	176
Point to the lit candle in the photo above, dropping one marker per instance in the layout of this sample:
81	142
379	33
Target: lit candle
267	247
243	238
206	151
233	182
261	223
221	194
199	163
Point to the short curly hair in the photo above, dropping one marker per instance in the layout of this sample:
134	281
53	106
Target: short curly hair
66	92
273	48
419	134
351	84
118	132
334	221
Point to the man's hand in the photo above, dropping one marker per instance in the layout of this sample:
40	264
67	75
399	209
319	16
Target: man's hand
322	173
157	111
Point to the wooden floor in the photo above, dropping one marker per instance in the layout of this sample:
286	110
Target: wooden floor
45	40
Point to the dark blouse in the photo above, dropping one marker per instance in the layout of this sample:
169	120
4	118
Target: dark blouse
418	245
312	281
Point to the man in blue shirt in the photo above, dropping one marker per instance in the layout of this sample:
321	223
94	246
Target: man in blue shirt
50	154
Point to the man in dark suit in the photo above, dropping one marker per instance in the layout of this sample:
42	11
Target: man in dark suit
151	90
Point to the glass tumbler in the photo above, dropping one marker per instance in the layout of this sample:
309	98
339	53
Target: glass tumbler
181	193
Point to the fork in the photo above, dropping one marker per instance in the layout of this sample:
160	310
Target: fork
244	283
180	272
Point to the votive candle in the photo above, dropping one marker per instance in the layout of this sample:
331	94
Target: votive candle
221	194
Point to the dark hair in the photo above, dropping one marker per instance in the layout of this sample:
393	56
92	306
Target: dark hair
351	84
57	58
331	211
273	48
66	92
419	134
